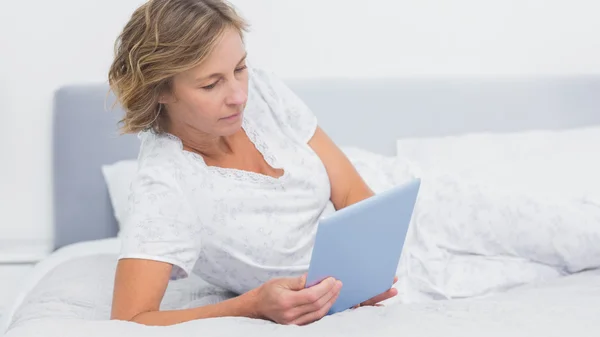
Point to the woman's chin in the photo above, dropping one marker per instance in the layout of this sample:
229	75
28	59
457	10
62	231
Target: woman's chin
230	125
230	130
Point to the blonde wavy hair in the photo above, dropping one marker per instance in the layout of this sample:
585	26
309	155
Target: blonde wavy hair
163	38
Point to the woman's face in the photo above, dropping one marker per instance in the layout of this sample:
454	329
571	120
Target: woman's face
211	97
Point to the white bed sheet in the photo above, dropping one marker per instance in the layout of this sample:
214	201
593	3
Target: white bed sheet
467	240
107	246
68	294
564	306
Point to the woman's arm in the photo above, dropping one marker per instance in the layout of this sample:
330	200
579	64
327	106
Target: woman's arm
347	186
140	286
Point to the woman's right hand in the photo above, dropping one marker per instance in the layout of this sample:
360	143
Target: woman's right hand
287	301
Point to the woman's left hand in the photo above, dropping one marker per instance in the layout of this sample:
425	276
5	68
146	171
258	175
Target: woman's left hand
375	301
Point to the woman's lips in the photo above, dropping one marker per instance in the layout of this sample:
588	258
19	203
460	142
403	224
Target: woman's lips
232	117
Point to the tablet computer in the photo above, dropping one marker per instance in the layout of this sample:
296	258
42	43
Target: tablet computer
361	245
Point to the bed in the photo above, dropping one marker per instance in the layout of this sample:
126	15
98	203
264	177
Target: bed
68	294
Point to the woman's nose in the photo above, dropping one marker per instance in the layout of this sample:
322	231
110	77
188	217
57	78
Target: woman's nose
238	94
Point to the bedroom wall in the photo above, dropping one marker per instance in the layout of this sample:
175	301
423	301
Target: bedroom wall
45	44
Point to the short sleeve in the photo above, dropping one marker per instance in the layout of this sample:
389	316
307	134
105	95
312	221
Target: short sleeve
291	111
161	225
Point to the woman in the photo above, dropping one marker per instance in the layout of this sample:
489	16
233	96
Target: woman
234	172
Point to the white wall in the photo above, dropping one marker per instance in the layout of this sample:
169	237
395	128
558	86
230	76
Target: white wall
45	44
433	37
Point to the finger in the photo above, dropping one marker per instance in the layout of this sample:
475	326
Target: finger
297	283
322	301
381	297
314	293
318	314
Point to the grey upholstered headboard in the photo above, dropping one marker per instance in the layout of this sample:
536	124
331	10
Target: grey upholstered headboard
370	114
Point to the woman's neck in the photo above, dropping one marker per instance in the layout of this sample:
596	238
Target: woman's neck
207	145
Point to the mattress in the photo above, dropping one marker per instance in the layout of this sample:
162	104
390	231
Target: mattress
563	306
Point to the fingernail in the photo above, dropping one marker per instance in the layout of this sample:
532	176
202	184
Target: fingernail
339	284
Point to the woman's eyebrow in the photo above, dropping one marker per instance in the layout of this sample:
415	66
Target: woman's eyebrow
215	75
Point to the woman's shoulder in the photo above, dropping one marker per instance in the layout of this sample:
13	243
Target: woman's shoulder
263	76
160	223
286	108
269	85
157	149
161	160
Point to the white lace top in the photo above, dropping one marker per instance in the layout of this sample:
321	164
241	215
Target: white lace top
236	229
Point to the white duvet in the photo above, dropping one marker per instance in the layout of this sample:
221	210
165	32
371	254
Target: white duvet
480	259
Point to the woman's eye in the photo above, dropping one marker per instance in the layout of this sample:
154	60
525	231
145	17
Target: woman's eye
210	86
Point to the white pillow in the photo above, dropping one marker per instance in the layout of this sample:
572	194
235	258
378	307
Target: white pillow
379	172
118	177
562	162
